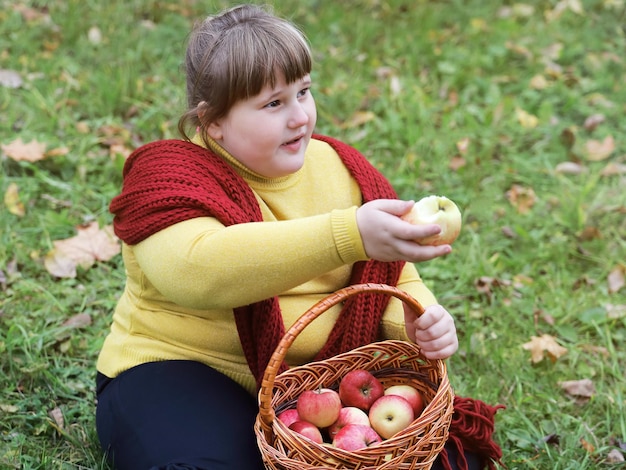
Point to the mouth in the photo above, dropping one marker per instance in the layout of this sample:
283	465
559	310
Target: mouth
294	141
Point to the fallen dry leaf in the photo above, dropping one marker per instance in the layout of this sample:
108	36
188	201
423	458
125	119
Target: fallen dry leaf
593	121
613	169
10	79
57	417
522	198
588	446
614	456
539	346
526	120
80	320
18	150
596	150
583	388
358	119
571	168
617	278
90	245
12	201
615	311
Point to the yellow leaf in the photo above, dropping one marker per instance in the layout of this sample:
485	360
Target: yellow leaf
358	119
596	150
539	346
527	120
18	150
12	201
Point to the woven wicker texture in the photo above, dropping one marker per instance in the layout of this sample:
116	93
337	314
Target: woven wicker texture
393	362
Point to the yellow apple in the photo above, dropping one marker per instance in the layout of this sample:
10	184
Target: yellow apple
438	210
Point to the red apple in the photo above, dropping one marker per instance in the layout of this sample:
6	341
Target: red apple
319	407
437	210
390	414
360	388
307	430
356	436
410	394
348	415
289	416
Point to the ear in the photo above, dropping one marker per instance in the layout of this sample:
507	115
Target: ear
214	130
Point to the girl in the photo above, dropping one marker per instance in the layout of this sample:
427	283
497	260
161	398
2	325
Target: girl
228	237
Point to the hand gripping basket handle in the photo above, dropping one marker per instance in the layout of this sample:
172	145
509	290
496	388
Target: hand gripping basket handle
266	412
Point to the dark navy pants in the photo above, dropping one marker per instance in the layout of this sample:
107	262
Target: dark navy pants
176	415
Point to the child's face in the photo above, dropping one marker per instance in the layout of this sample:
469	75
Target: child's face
269	132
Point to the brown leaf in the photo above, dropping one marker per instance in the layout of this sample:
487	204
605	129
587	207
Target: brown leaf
457	162
614	456
615	311
539	346
57	417
617	278
596	150
593	121
12	201
18	150
571	168
10	79
613	169
578	388
588	446
80	320
90	245
522	198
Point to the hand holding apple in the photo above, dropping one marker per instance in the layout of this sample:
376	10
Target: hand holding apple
437	210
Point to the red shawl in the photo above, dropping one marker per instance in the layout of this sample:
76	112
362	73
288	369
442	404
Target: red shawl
170	181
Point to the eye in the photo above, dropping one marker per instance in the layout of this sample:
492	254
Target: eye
303	92
272	104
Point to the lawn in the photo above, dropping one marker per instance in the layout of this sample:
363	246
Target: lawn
513	110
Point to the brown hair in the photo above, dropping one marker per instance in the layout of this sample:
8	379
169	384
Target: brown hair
233	56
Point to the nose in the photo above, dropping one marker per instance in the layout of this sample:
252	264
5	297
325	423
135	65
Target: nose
299	115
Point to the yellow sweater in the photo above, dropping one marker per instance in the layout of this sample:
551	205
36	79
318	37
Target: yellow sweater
184	281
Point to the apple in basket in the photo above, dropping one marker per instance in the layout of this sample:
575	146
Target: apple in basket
437	210
348	415
307	430
390	414
360	388
410	394
288	416
356	436
319	407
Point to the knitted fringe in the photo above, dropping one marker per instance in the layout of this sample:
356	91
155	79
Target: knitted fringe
471	430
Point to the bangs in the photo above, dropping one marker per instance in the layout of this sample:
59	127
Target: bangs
256	56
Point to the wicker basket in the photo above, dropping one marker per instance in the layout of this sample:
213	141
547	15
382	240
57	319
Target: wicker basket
393	362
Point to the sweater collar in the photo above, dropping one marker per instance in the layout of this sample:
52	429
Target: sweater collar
254	179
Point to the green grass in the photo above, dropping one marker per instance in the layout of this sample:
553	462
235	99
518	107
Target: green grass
432	73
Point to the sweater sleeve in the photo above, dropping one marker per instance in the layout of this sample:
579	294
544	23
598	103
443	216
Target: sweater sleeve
392	324
201	264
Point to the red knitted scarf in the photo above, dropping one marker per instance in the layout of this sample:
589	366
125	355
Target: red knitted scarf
170	181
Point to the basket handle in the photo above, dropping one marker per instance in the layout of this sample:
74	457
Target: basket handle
266	412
